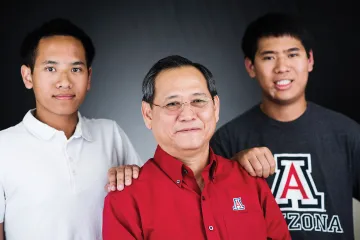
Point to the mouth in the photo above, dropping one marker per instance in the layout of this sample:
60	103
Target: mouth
188	130
64	96
283	84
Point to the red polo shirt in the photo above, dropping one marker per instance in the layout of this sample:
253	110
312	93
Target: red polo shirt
166	203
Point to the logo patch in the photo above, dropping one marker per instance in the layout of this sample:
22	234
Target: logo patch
238	205
294	189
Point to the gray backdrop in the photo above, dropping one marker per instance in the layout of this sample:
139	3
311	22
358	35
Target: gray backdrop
130	36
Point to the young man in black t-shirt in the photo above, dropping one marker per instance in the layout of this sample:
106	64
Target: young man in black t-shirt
314	152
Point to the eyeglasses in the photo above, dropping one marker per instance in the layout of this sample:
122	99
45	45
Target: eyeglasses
178	106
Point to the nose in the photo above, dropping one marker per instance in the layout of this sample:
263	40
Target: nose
282	65
186	112
64	81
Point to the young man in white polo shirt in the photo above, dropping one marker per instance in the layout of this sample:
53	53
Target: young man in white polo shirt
61	156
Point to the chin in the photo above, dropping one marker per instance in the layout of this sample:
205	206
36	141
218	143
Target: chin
65	112
191	144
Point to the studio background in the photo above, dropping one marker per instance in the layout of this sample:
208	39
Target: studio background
130	36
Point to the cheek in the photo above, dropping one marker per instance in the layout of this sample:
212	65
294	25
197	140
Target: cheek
163	124
208	119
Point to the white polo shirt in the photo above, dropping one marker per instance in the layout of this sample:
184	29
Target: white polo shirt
52	187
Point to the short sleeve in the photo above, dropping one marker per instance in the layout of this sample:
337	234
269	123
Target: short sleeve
126	152
2	203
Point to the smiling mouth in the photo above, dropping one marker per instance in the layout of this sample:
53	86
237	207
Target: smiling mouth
64	96
283	82
188	130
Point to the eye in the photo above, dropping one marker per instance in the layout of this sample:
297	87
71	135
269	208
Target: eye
268	58
199	102
291	55
50	69
76	70
173	104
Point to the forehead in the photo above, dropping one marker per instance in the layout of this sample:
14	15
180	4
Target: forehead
278	43
180	81
60	48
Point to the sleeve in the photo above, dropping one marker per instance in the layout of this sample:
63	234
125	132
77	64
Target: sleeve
120	218
2	204
356	166
275	221
126	151
220	144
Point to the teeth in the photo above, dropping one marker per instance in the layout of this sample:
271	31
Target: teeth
283	82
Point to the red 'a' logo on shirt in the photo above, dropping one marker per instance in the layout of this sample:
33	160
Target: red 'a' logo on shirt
293	187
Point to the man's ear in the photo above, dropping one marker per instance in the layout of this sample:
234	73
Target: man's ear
311	61
217	107
250	67
26	76
146	111
89	79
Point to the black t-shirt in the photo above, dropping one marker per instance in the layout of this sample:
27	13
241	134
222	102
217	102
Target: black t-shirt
317	166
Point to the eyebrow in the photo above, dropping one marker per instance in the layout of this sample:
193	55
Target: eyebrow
55	62
194	94
294	49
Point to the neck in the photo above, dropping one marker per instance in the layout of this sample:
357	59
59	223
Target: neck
196	160
64	123
284	112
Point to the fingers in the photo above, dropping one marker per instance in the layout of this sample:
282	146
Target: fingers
128	175
120	177
111	186
270	159
243	159
256	164
125	174
265	167
257	161
136	171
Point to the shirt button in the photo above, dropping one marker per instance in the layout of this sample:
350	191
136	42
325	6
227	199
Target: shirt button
211	228
203	198
185	171
178	181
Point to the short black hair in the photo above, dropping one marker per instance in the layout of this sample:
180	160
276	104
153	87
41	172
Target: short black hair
170	62
54	27
274	25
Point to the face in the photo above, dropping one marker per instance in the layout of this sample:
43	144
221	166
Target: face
281	67
190	127
60	78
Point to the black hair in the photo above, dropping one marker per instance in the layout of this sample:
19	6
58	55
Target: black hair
274	25
170	62
54	27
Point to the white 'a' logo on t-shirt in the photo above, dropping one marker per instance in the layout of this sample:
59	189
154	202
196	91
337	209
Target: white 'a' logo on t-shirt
293	187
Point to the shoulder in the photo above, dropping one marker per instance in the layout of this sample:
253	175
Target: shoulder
9	134
333	120
103	127
232	169
242	122
98	122
140	187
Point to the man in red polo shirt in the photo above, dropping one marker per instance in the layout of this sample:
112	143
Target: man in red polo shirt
186	191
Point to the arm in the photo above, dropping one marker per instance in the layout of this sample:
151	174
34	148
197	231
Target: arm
257	161
128	162
120	218
125	150
276	224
